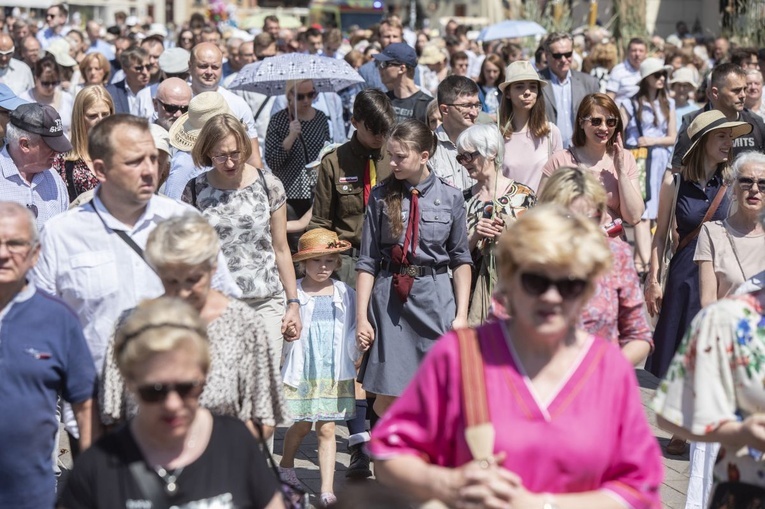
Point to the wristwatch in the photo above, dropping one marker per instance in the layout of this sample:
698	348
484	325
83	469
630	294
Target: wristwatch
293	301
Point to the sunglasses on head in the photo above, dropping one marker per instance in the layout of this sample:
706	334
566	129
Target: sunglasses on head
173	108
747	183
467	157
598	121
537	284
558	56
309	95
156	393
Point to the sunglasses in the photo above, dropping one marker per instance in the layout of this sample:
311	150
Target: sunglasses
156	393
598	121
558	56
173	108
139	68
386	64
537	284
659	74
50	83
747	183
309	95
8	53
467	157
49	16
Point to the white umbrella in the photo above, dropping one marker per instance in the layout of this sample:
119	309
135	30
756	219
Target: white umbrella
511	29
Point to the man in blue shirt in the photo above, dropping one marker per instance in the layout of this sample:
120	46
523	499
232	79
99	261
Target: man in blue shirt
42	354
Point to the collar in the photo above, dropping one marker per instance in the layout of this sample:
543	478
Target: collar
115	224
24	295
629	67
425	185
555	81
7	166
360	151
443	137
338	293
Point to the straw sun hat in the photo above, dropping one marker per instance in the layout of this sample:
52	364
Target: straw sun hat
521	70
713	120
185	130
319	242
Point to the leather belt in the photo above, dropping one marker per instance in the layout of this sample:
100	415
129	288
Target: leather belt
412	270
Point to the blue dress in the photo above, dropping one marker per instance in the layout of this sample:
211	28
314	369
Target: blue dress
681	299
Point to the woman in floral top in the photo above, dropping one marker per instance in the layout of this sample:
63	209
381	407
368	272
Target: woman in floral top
615	311
245	205
714	391
493	203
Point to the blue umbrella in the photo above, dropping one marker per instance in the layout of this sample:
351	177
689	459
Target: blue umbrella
511	29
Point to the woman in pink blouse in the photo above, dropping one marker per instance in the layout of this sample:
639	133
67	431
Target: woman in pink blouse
570	429
616	311
597	146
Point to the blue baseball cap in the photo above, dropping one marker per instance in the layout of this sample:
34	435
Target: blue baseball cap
399	52
8	99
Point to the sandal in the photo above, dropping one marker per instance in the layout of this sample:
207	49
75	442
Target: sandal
676	446
289	476
327	499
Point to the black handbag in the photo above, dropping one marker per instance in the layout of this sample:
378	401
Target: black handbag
730	495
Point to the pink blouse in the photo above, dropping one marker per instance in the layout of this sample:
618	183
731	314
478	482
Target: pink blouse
592	435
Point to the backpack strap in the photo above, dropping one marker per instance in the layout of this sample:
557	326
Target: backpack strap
194	192
479	431
69	172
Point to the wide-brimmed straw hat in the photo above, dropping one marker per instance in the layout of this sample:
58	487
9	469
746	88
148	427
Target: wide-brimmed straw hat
319	242
431	55
651	66
709	121
684	75
520	70
185	130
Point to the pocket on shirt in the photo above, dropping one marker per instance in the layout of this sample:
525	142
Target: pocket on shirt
93	275
437	224
350	199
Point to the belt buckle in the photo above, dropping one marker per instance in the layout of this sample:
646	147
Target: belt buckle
411	270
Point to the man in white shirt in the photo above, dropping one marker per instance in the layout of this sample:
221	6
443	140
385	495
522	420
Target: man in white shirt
35	135
56	17
90	255
126	93
205	72
624	80
14	73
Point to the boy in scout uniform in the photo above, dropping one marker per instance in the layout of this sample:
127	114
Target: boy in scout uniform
345	179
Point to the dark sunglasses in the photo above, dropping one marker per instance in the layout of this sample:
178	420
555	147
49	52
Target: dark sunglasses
537	284
467	157
50	83
558	56
49	16
388	63
747	183
173	108
139	68
156	393
598	121
309	95
659	74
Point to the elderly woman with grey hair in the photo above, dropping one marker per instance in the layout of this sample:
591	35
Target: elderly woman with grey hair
493	203
243	381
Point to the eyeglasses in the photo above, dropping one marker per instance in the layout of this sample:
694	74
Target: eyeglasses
15	246
50	83
467	157
309	95
558	56
33	209
50	16
221	159
156	393
467	106
173	108
8	53
537	284
386	64
747	183
140	68
598	121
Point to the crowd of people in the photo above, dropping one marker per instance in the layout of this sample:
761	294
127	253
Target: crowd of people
476	238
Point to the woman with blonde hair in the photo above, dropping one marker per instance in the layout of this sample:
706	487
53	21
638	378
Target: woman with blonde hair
95	69
91	105
530	139
615	311
174	448
572	396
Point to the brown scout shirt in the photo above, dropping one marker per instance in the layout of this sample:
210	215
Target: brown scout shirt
338	203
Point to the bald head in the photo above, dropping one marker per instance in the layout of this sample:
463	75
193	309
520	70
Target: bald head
205	67
6	50
173	97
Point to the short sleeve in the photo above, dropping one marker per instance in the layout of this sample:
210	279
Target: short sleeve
630	165
370	235
703	245
80	377
275	191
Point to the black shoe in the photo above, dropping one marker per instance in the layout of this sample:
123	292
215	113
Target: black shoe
359	466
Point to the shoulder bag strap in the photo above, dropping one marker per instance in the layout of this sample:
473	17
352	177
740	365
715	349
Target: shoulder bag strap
149	484
69	171
262	105
194	192
637	120
479	432
265	186
710	212
125	238
735	251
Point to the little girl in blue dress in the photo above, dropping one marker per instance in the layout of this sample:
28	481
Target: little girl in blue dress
319	367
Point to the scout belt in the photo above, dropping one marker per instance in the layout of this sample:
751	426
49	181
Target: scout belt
412	270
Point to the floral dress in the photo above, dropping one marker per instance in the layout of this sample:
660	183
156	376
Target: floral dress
516	199
80	180
718	376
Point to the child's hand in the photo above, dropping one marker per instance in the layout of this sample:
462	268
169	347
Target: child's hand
365	335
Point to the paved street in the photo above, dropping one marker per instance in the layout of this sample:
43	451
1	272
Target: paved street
673	490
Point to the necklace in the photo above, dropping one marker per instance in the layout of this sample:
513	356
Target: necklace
170	479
